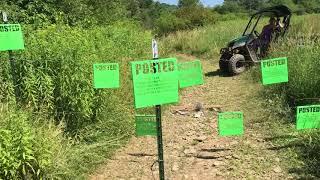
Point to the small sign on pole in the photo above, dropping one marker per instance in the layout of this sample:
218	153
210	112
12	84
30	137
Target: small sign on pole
106	75
308	117
146	125
230	123
274	71
11	37
190	74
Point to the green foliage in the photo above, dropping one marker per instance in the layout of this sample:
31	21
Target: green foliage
188	3
54	80
298	6
186	17
206	41
302	48
307	148
55	71
84	13
168	22
27	152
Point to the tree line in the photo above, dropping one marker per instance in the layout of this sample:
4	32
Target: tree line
160	17
249	6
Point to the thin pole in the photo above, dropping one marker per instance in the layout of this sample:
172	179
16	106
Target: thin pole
159	123
160	144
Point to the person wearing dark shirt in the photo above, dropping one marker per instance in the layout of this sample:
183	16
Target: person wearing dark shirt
268	30
266	36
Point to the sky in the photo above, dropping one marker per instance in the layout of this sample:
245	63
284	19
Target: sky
205	2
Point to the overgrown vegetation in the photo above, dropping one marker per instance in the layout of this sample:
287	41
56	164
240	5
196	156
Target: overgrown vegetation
297	6
159	17
54	81
28	152
302	47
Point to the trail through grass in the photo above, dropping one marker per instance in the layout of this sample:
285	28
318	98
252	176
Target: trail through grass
271	147
193	149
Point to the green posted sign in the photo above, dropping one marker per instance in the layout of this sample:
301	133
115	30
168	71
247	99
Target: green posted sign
146	125
11	37
274	71
155	82
190	74
230	123
106	75
308	117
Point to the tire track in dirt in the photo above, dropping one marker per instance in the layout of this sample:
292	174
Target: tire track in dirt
192	148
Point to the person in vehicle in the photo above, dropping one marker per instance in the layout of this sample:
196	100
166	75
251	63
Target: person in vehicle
267	35
268	30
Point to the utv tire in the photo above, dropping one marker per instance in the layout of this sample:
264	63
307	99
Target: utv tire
237	64
223	66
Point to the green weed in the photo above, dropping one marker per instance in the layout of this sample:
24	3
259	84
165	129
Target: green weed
54	82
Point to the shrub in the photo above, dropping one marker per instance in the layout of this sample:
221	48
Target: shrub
54	84
54	73
27	150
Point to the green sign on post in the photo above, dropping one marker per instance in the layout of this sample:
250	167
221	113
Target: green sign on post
190	74
230	123
11	37
308	117
146	125
274	71
106	75
155	82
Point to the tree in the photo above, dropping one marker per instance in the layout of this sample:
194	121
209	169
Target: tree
188	3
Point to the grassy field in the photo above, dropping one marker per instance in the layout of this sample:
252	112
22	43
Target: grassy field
302	47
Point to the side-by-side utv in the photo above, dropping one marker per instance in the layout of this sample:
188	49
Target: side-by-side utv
248	49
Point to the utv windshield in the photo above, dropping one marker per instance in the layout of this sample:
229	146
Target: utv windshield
256	23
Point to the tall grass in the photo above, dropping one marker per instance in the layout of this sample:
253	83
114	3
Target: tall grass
206	41
54	82
28	152
302	47
55	73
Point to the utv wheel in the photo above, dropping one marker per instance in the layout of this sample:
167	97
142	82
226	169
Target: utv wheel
223	66
236	64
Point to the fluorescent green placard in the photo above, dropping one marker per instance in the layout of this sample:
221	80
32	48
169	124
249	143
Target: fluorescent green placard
106	75
230	123
274	71
146	125
308	117
155	82
190	74
11	37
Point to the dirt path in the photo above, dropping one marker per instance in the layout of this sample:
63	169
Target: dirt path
192	148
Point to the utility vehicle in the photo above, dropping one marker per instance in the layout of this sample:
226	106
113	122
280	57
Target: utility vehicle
247	50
